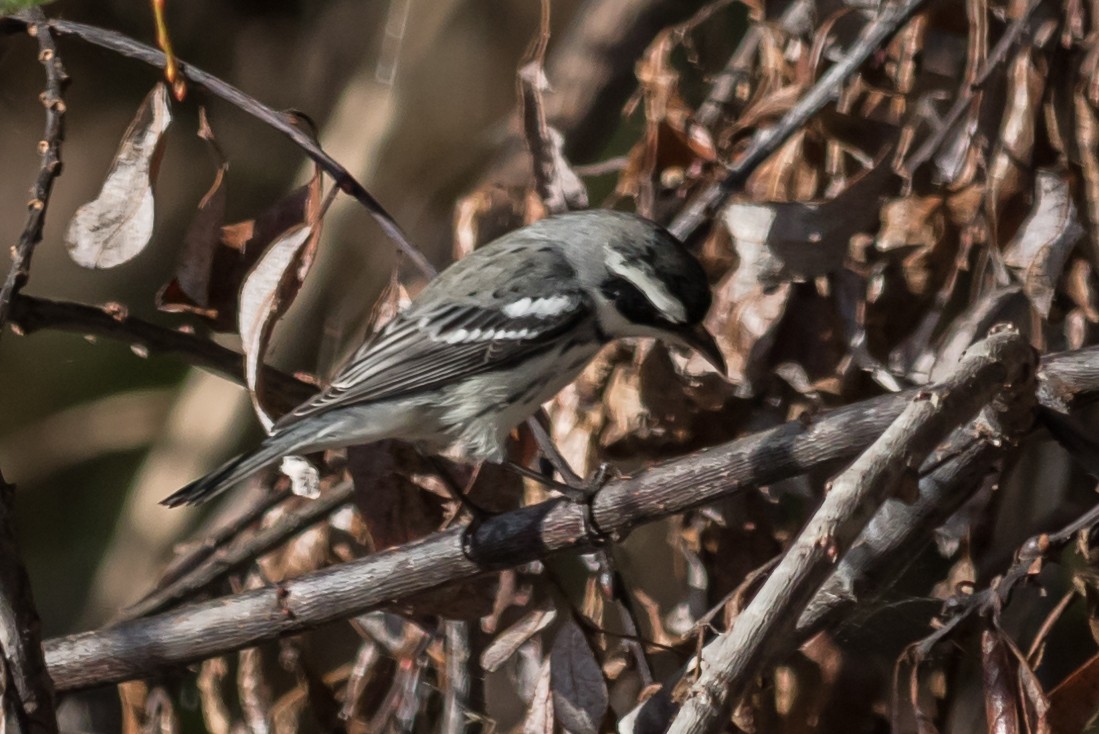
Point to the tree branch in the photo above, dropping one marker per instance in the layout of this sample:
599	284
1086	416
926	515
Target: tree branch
49	147
201	630
731	661
702	206
26	691
229	560
30	314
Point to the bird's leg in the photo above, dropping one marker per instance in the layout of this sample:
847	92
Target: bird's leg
575	487
553	456
576	494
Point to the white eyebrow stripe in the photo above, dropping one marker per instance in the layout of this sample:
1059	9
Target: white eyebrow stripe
538	307
653	290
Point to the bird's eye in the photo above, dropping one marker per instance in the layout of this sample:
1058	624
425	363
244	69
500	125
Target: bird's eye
630	302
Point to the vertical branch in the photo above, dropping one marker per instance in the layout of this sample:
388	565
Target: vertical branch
49	147
27	690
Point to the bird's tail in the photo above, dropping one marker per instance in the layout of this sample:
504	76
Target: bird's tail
234	470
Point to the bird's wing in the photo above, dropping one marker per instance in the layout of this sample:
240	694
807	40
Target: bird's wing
426	347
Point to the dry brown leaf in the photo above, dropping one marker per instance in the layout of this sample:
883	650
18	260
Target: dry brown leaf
562	188
189	291
508	642
1080	287
1001	702
1015	142
1044	242
215	711
116	226
1087	148
1074	700
539	718
784	241
217	259
645	406
254	690
133	696
394	509
911	221
580	696
264	297
485	214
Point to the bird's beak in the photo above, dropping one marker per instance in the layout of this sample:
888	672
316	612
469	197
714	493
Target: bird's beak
697	338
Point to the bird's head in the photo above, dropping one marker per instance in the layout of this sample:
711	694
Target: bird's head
644	281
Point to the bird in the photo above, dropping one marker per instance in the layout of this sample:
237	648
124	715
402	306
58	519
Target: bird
493	337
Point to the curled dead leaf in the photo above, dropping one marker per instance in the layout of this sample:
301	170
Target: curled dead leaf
116	226
1041	247
265	296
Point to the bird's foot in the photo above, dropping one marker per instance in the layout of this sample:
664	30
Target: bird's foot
598	479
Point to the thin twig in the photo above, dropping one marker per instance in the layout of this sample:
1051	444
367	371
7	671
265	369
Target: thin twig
225	562
213	543
30	314
49	147
701	207
344	180
1015	33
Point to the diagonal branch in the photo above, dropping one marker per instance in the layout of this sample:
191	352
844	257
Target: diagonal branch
732	660
130	48
702	206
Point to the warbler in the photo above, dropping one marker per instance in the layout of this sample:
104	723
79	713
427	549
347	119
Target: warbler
494	336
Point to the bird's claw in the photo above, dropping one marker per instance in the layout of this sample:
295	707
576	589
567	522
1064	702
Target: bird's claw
586	490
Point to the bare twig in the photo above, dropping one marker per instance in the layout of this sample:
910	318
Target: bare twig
31	314
26	689
130	48
226	561
876	33
1016	32
559	188
1028	558
738	69
191	559
457	679
49	147
731	661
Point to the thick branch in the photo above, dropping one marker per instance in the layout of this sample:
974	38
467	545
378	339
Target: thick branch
900	528
27	692
732	660
201	630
